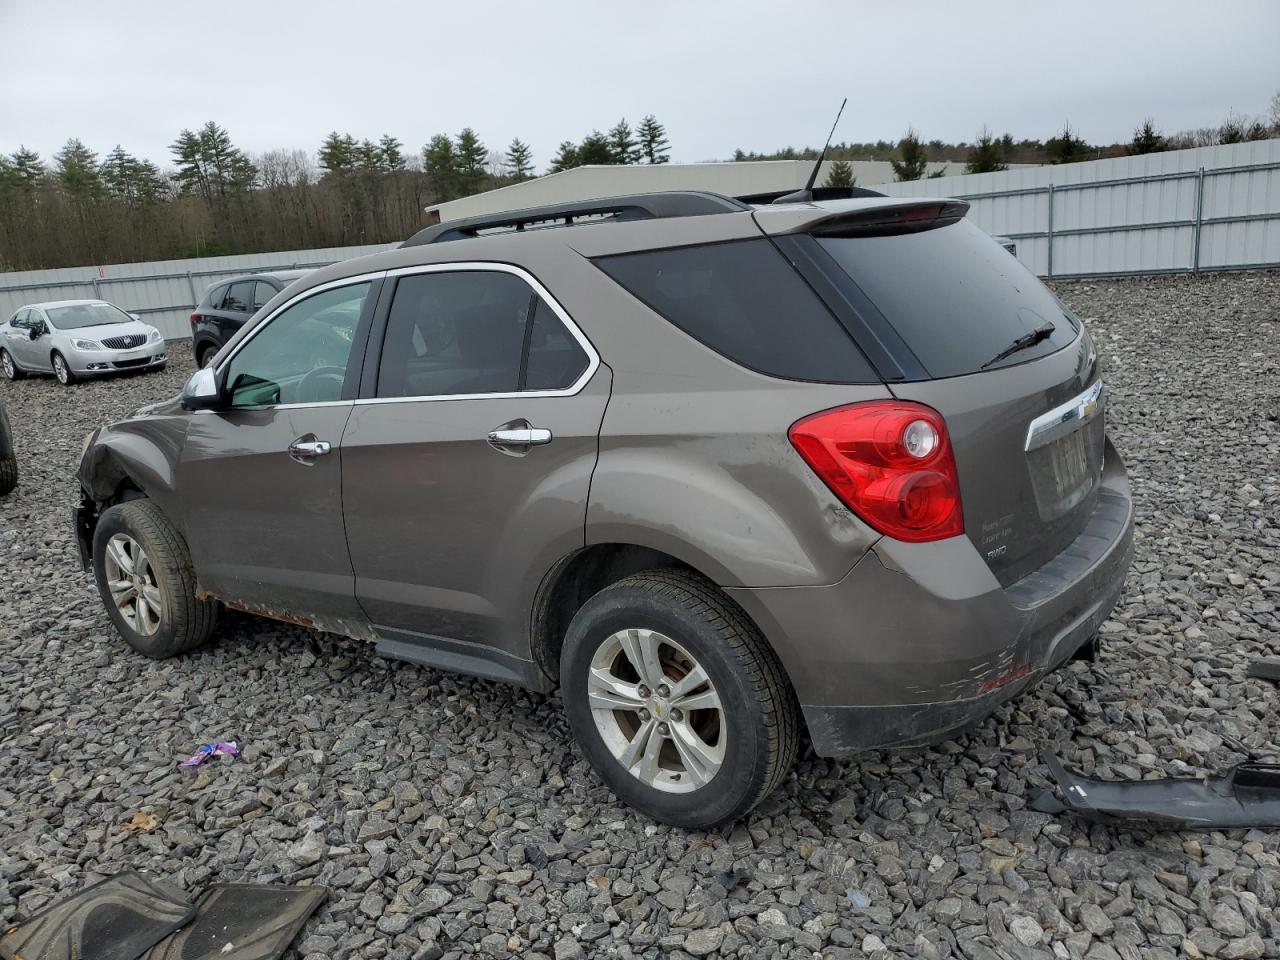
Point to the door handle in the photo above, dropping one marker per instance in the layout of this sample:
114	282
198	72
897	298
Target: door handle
306	448
519	437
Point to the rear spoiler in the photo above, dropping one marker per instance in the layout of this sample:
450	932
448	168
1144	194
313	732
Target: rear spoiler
861	218
818	193
883	221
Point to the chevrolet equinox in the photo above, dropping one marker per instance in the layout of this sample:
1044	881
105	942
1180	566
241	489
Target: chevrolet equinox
721	473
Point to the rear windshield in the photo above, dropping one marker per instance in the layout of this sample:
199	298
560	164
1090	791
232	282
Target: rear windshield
954	295
744	301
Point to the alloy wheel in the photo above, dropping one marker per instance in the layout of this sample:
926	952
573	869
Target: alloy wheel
657	710
60	369
8	364
133	585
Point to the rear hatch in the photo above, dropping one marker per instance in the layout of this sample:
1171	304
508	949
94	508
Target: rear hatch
954	321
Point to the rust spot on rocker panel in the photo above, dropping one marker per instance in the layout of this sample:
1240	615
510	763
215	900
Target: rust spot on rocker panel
347	628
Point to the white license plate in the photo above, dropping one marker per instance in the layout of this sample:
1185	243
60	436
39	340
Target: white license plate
131	355
1070	462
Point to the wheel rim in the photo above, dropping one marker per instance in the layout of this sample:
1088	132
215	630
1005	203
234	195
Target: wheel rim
60	368
206	358
132	582
657	710
8	365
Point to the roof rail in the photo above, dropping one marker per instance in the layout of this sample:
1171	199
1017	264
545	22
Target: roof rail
818	193
638	206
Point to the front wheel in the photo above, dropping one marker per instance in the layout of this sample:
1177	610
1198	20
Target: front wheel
62	370
147	583
677	700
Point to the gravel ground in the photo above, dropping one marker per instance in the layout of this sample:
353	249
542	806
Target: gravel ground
452	816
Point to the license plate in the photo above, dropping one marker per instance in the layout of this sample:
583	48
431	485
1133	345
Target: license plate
1070	462
131	355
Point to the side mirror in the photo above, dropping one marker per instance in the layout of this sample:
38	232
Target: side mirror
201	391
35	333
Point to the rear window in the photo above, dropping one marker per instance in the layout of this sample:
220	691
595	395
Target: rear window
744	301
955	296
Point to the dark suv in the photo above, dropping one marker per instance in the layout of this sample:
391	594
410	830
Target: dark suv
228	304
715	471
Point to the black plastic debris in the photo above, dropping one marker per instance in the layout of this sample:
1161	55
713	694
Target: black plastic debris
242	921
1248	796
118	919
1264	670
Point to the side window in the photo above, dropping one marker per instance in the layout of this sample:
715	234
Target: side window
451	334
555	358
20	319
262	292
238	296
301	355
214	297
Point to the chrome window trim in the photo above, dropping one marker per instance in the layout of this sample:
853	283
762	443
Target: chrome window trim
486	266
1065	418
483	266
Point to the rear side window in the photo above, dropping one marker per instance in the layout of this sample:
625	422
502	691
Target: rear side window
955	296
213	299
238	297
474	332
746	302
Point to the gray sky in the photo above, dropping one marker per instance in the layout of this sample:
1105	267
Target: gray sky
719	75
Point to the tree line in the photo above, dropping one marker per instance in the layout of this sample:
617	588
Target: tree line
216	198
911	155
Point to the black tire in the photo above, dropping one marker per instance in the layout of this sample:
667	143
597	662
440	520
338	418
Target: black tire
185	622
8	474
760	712
10	366
62	372
206	354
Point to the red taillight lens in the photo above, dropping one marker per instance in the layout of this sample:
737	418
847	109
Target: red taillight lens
890	462
194	318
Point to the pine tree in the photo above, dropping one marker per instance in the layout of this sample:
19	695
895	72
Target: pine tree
26	168
595	150
987	155
471	154
211	165
337	154
77	171
914	160
1066	147
622	145
1147	139
840	174
566	157
391	153
134	181
520	159
441	164
653	140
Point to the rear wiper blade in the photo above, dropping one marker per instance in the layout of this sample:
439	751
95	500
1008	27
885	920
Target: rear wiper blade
1038	335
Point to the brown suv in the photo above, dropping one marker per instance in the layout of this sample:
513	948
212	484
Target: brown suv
715	471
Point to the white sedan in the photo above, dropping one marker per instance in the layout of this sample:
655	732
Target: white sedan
77	338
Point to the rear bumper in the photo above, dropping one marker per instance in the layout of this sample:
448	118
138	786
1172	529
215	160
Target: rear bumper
919	641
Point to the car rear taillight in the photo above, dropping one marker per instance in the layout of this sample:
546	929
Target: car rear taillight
890	462
194	318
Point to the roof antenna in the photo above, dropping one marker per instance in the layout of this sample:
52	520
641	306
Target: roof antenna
806	194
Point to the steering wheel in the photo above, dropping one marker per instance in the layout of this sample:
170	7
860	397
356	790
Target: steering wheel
314	386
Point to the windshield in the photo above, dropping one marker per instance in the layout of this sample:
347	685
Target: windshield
955	296
77	315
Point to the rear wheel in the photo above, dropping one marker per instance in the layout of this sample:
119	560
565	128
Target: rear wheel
11	370
207	353
147	583
677	700
62	370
